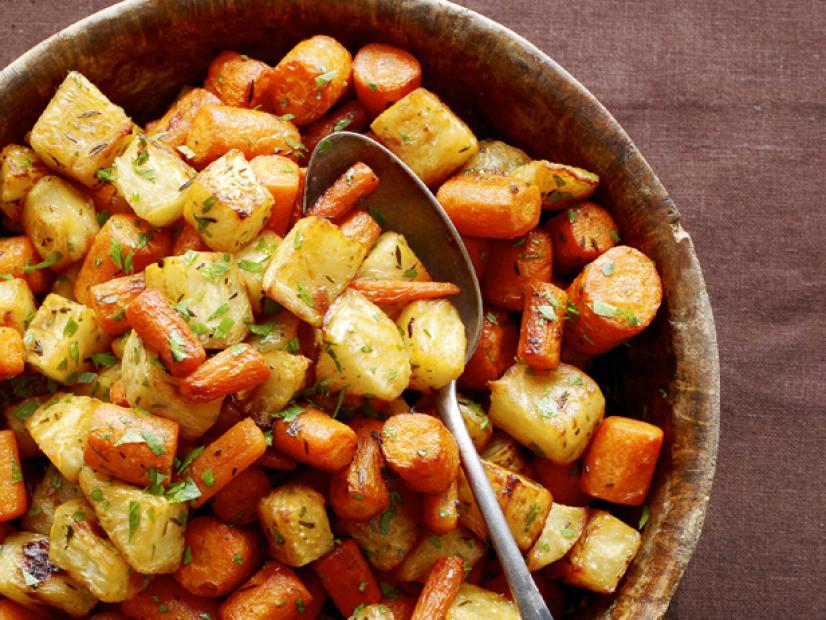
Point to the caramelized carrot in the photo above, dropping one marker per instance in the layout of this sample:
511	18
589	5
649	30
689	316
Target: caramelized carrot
490	206
232	77
274	459
347	577
226	457
13	500
126	444
620	463
497	347
117	394
402	292
9	610
441	512
358	491
514	265
110	299
237	502
441	588
351	117
478	250
298	207
313	437
107	198
615	297
281	178
273	593
238	368
125	245
360	225
580	234
359	181
174	126
563	481
164	593
12	353
383	74
540	339
19	259
161	327
189	239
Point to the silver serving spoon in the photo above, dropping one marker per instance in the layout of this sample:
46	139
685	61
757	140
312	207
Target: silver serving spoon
405	205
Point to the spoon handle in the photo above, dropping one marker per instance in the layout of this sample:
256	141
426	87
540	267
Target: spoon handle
521	583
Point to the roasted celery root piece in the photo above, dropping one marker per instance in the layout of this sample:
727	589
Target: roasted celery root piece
295	523
495	157
392	259
150	387
80	130
147	529
79	546
151	178
311	267
30	579
60	221
59	428
287	376
20	169
563	527
553	413
206	288
477	422
12	352
559	185
227	204
279	332
363	351
426	135
13	499
61	337
502	450
252	261
50	493
475	603
430	548
16	304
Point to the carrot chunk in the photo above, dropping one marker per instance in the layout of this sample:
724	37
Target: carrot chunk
495	353
12	353
164	593
358	491
347	577
514	265
238	368
383	74
282	179
174	126
110	299
441	513
189	239
398	291
273	593
563	481
13	500
581	234
360	225
478	250
313	437
19	259
232	77
237	502
440	589
356	183
540	339
351	117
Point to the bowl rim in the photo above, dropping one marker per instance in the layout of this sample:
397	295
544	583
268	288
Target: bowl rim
699	328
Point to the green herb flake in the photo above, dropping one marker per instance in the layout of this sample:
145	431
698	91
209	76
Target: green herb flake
134	518
491	318
324	78
615	236
53	258
238	559
187	555
567	533
293	346
646	514
16	474
177	346
547	313
223	327
155	444
252	266
571	216
608	268
380	219
193	454
25	410
305	295
104	360
412	272
435	540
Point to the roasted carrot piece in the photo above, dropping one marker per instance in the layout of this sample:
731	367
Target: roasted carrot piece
110	299
383	74
161	327
126	444
217	129
563	481
19	259
9	610
401	605
12	353
620	463
232	77
226	457
308	80
217	558
478	250
125	245
189	239
359	181
107	199
360	225
351	117
313	437
13	500
514	265
580	234
490	206
273	593
497	348
421	451
312	609
540	339
615	297
402	292
281	178
347	578
117	394
238	368
359	492
164	593
237	502
274	459
174	126
298	207
440	589
441	512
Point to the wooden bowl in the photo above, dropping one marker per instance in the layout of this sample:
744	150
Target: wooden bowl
141	52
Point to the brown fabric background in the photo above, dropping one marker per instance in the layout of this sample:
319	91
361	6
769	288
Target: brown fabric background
727	100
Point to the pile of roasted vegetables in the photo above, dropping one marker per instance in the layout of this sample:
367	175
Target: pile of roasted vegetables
216	406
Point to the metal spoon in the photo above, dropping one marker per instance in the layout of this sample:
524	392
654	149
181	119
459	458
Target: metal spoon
402	203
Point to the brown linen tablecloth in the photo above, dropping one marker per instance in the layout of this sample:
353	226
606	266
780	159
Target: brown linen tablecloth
727	100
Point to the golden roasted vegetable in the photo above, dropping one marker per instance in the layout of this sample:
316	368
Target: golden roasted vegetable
50	493
475	603
502	450
295	523
495	157
20	169
151	178
434	335
559	185
311	267
252	261
417	564
60	221
227	204
363	351
279	332
426	135
79	546
553	413
287	376
17	305
147	529
562	529
80	130
477	422
62	337
392	259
